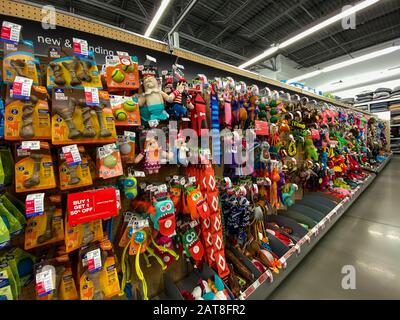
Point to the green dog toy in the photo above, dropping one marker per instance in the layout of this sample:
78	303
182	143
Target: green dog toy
130	106
118	76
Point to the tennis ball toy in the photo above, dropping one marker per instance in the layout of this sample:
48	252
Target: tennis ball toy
110	161
128	68
130	106
118	76
125	148
120	115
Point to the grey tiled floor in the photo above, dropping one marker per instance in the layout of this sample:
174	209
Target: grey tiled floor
367	237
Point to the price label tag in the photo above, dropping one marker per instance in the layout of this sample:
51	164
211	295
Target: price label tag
150	58
131	135
139	174
153	123
34	204
192	180
21	88
123	53
163	188
270	276
80	47
92	96
93	260
138	224
193	224
128	216
118	197
255	188
72	155
297	247
44	282
10	32
228	182
30	145
307	238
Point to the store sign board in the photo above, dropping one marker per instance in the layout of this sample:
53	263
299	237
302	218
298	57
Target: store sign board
91	205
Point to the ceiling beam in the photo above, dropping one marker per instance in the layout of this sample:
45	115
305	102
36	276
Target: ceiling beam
142	8
138	18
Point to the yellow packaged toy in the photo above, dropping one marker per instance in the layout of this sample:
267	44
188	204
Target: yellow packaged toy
122	72
53	279
74	175
72	71
28	119
44	229
99	277
76	119
34	169
126	110
80	235
19	61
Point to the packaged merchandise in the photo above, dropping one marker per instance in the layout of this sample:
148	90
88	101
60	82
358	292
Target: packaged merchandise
46	228
77	236
19	60
69	70
109	162
74	173
28	119
122	72
126	110
81	118
34	168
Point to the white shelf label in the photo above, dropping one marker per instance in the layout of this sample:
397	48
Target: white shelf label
72	155
10	32
30	145
93	260
21	88
92	96
44	283
80	47
34	204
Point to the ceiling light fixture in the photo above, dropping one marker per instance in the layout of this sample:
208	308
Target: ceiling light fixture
360	79
346	63
306	33
163	6
265	54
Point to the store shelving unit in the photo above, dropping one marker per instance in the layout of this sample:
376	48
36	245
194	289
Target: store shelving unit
262	288
369	107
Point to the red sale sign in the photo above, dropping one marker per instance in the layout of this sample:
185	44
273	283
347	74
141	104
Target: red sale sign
91	205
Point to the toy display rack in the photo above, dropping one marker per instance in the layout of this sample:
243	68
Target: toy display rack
263	287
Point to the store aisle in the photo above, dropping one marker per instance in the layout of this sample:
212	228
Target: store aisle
367	237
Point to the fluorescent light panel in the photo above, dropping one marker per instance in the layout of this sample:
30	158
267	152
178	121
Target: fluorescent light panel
324	24
327	22
346	63
265	54
163	6
360	79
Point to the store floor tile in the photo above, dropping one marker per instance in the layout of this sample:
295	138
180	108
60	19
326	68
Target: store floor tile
366	237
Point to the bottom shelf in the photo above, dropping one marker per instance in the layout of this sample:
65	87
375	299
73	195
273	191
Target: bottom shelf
262	288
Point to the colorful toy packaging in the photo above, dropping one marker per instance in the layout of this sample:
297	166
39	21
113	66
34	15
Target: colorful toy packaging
109	162
72	71
45	228
125	110
28	119
19	61
122	72
79	119
34	169
127	143
74	174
